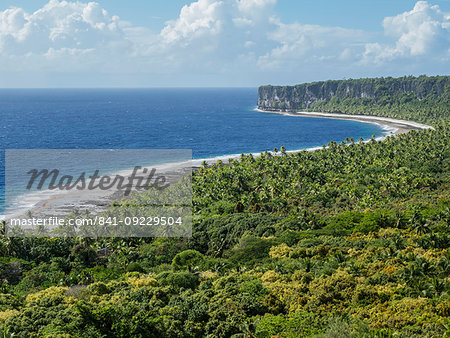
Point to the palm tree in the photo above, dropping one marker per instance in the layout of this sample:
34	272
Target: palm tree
418	223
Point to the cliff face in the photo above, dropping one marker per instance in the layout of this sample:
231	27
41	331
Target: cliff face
302	96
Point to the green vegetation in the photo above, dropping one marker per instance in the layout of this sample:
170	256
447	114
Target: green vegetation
421	99
351	240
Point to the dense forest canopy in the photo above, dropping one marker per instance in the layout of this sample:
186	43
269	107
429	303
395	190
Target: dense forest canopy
423	98
350	240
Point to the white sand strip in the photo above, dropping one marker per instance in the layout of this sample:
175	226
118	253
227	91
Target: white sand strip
390	122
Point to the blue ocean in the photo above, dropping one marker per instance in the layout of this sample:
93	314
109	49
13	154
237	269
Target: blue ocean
211	122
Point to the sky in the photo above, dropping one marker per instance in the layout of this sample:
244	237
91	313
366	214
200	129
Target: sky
218	43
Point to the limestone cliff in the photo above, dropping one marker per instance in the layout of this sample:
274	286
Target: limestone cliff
302	96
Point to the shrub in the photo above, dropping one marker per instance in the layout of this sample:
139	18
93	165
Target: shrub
178	280
187	260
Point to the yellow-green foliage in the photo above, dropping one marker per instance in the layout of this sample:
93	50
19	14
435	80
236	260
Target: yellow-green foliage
4	315
138	282
51	296
400	313
280	251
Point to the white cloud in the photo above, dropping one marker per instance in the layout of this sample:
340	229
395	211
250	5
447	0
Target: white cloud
211	40
217	36
302	44
195	21
12	22
57	30
251	6
254	10
424	30
206	18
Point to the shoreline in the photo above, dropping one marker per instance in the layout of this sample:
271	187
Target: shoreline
63	204
401	126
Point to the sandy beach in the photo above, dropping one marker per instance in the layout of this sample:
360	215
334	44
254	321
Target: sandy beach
61	204
400	126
